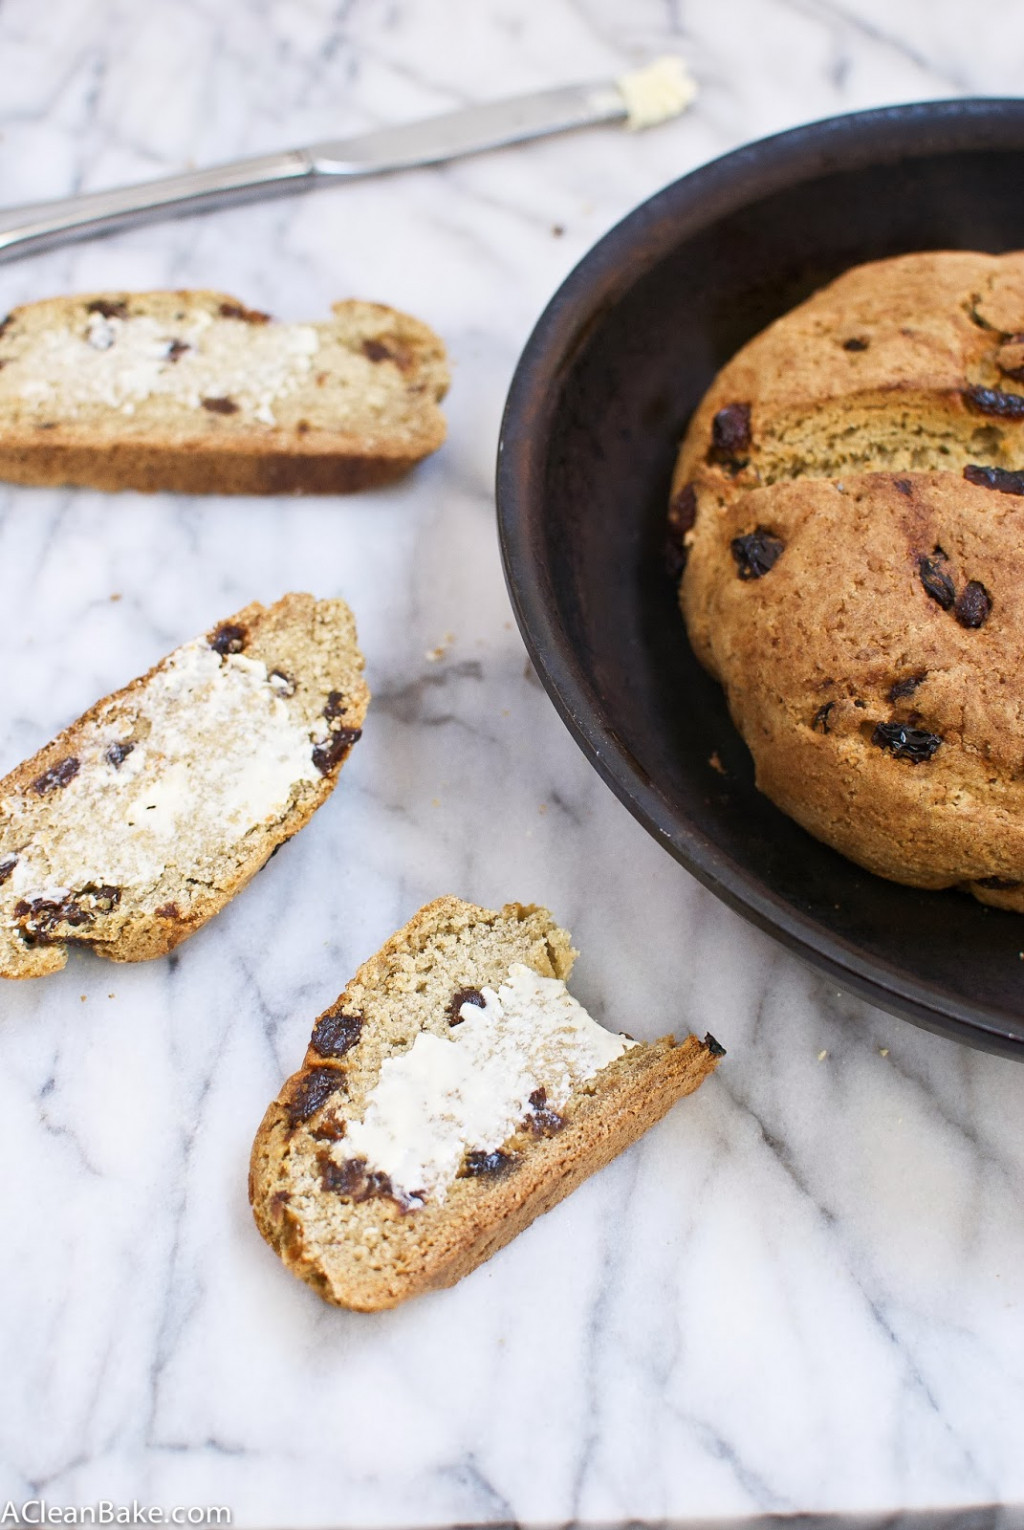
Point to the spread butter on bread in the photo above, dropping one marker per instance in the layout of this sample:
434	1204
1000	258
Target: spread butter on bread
196	393
142	819
451	1094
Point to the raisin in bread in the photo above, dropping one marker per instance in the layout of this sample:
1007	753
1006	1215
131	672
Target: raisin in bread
452	1093
848	509
144	817
910	364
194	392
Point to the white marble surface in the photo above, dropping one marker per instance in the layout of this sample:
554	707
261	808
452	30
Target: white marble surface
804	1290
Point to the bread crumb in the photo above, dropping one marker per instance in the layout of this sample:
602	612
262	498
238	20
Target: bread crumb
822	1055
883	1051
715	762
557	230
83	997
116	595
433	655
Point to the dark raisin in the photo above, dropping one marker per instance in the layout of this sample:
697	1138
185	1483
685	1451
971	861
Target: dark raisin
312	1089
904	486
905	743
331	1130
239	311
327	755
343	1178
997	884
176	349
220	405
334	706
973	605
285	684
935	579
756	553
57	775
353	1179
820	723
168	911
117	752
463	996
907	686
6	867
227	639
1005	481
391	349
543	1120
42	916
1006	406
682	512
479	1162
855	344
336	1034
730	432
118	309
714	1047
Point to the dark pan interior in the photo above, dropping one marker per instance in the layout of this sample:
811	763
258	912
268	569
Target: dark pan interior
599	402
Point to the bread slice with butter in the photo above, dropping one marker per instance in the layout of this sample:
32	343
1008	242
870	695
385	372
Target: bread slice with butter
196	393
452	1093
143	818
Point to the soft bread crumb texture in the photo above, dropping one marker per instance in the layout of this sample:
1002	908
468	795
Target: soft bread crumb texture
872	440
194	392
339	1224
144	817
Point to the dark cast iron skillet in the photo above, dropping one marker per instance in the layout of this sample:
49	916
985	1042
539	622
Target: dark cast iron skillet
598	404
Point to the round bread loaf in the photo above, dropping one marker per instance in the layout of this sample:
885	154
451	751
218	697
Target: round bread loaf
848	506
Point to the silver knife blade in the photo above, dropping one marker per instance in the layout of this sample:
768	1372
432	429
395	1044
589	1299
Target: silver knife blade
471	130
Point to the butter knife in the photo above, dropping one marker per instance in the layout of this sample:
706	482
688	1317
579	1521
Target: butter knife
40	225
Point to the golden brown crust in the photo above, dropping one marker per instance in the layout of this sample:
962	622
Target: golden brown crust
913	368
381	414
373	1255
315	641
327	466
840	642
872	372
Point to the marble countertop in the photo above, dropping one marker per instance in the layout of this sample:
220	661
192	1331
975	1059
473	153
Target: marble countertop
804	1291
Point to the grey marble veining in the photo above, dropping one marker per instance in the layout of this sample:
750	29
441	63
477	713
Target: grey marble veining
803	1291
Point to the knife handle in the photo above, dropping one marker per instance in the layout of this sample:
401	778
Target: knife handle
40	225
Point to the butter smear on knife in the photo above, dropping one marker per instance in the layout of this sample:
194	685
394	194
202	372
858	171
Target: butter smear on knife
657	92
